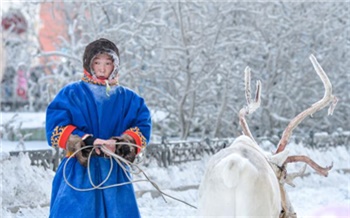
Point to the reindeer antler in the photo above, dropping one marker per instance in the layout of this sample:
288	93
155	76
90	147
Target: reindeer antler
302	158
326	100
251	106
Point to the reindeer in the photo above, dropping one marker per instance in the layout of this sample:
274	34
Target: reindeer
243	181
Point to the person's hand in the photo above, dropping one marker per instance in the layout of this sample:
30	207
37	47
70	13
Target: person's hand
108	144
124	147
75	143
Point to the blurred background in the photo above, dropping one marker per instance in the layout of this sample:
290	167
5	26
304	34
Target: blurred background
187	59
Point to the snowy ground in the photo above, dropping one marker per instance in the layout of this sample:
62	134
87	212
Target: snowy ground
25	189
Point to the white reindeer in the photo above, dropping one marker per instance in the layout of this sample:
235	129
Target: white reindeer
242	181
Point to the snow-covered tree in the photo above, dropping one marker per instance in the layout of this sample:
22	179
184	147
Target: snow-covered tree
187	59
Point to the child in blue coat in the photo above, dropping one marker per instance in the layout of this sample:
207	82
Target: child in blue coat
96	111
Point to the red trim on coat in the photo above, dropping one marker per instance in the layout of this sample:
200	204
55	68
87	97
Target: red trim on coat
137	139
65	135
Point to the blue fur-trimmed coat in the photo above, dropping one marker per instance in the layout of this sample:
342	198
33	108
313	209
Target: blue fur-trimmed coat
87	107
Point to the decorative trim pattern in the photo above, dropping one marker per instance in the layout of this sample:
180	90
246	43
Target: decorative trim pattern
60	136
138	136
56	135
90	79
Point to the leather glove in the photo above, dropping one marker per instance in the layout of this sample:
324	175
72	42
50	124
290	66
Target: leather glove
74	143
126	151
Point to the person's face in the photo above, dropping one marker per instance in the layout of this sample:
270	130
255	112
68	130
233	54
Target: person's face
103	66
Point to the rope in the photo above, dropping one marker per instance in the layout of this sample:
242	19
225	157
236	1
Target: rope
126	166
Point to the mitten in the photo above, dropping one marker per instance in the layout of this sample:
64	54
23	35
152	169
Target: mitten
74	143
123	147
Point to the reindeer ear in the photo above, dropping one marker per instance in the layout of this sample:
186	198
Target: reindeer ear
232	167
279	158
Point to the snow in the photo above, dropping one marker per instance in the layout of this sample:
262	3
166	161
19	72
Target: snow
26	119
25	189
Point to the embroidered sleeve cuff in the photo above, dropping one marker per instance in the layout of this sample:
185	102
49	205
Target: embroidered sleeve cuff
137	135
60	135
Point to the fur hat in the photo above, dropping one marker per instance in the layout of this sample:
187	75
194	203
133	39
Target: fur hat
98	47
